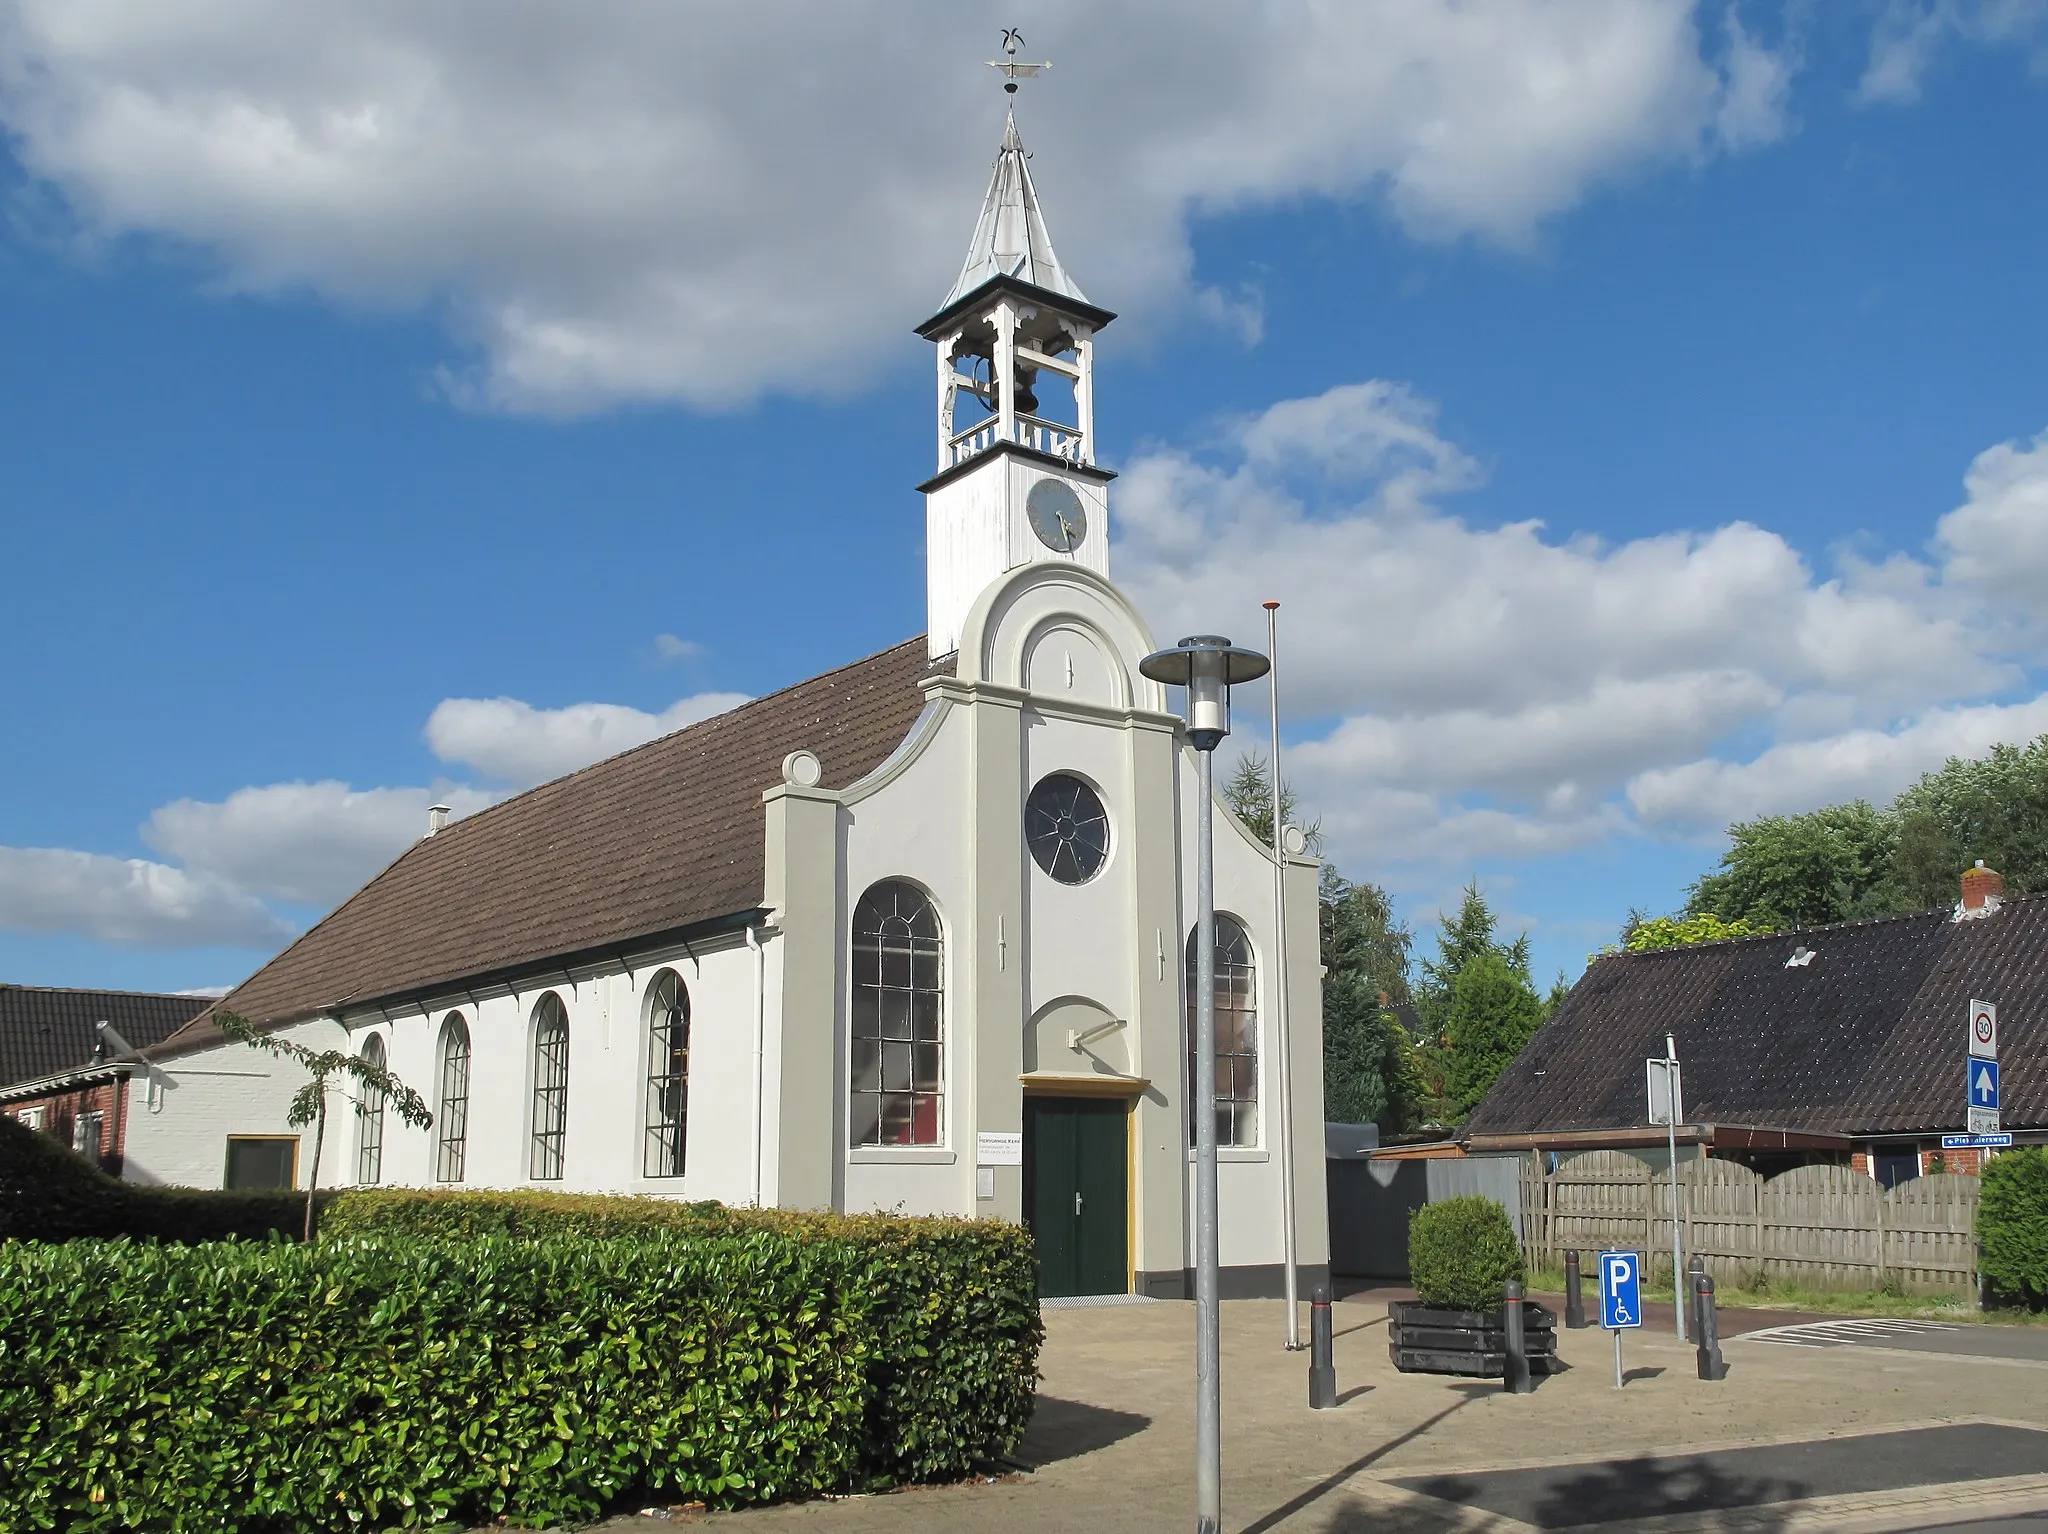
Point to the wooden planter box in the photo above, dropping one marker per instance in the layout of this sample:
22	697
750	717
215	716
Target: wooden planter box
1422	1340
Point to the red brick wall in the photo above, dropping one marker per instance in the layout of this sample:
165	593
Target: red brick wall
61	1110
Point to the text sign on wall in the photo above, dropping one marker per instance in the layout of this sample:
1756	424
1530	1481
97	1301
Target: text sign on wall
999	1149
1983	1030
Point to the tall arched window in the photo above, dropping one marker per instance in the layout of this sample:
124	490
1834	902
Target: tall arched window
370	1118
896	1096
550	1088
668	1075
1237	1034
451	1119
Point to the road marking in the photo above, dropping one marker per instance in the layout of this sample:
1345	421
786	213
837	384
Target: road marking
1842	1334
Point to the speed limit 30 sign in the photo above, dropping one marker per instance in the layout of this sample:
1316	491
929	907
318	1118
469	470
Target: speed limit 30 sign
1983	1030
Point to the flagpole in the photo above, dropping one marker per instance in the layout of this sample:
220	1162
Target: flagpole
1284	1137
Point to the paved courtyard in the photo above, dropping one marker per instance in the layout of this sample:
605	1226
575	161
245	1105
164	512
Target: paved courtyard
1878	1430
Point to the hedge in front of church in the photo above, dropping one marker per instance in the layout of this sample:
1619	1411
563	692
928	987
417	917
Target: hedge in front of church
382	1381
953	1303
48	1192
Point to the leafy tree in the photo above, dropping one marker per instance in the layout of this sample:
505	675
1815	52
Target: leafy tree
1647	932
1369	1070
1994	808
372	1085
1249	793
1492	1013
1800	870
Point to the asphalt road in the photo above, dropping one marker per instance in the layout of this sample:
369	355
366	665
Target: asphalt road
2026	1344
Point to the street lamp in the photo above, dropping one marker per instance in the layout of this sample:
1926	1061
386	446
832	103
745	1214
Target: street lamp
1208	666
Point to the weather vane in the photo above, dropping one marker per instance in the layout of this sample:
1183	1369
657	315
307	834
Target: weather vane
1011	70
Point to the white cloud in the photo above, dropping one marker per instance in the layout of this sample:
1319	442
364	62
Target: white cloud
1910	32
520	744
128	901
1504	692
668	647
308	843
614	201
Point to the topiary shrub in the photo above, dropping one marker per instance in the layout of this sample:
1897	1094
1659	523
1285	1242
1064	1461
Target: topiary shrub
2012	1223
1462	1252
51	1193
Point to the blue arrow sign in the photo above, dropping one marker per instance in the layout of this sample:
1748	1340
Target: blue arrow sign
1621	1290
1984	1084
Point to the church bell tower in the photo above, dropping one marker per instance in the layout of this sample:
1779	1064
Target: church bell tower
1017	480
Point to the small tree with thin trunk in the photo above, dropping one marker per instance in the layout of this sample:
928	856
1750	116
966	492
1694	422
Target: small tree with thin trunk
369	1081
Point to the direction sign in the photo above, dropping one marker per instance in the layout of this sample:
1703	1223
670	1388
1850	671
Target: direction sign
1983	1030
1976	1142
1621	1290
1984	1084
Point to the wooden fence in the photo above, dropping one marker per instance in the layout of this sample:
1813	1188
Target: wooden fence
1820	1227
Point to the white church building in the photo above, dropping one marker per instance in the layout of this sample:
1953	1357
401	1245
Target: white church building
911	935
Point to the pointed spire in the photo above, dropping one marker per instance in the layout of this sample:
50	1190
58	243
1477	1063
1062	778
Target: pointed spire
1010	238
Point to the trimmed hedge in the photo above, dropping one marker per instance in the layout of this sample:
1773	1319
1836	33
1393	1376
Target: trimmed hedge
50	1193
2012	1223
1462	1252
954	1303
529	1357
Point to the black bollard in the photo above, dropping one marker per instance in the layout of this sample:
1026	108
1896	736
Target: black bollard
1322	1352
1574	1301
1695	1270
1711	1365
1516	1373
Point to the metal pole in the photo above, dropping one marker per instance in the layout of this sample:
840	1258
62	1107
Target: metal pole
1617	1358
1322	1357
1283	1140
1678	1296
1208	1388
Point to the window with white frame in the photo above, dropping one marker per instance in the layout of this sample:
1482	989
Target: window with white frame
29	1118
550	1088
896	1093
370	1118
451	1118
668	1075
1237	1034
88	1133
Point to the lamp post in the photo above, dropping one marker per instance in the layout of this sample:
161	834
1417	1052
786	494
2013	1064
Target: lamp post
1207	665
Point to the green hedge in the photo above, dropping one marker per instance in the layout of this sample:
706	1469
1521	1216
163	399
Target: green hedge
2012	1223
584	1350
1462	1252
50	1193
954	1302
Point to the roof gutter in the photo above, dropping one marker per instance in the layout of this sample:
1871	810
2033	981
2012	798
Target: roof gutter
64	1081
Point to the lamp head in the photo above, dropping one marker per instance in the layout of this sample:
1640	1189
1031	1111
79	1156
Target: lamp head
1208	666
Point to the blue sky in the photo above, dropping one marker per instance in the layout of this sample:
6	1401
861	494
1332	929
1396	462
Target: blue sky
375	392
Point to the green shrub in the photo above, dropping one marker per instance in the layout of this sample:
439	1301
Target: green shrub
953	1302
1462	1252
2012	1223
50	1193
379	1381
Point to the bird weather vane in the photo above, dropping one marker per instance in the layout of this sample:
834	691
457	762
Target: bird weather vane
1009	68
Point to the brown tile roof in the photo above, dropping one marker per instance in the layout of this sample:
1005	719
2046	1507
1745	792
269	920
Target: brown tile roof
1866	1038
660	838
45	1030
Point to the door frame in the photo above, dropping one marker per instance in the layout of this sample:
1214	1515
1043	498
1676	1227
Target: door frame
1129	1089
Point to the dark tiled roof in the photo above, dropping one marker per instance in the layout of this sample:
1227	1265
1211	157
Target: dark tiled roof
1867	1038
45	1031
656	839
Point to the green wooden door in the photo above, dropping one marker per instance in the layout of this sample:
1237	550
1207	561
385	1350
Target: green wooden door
1076	1191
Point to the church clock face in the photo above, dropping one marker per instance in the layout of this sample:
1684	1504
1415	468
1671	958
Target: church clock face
1056	515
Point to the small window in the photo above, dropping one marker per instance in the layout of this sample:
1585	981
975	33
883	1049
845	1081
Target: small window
1237	1035
896	1095
550	1088
263	1161
1066	828
668	1075
451	1121
370	1118
30	1118
88	1133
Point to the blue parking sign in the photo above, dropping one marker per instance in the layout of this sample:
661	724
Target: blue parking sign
1621	1290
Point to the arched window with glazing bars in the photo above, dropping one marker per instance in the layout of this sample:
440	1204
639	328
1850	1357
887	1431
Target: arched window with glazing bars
370	1118
550	1088
451	1115
668	1075
896	1094
1237	1034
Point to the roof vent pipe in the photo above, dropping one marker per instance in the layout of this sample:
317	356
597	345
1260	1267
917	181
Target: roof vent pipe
437	818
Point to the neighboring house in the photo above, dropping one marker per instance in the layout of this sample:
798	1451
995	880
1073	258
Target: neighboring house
1833	1044
908	935
59	1075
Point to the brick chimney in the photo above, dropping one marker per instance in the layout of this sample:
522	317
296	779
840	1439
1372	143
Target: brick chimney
1983	891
